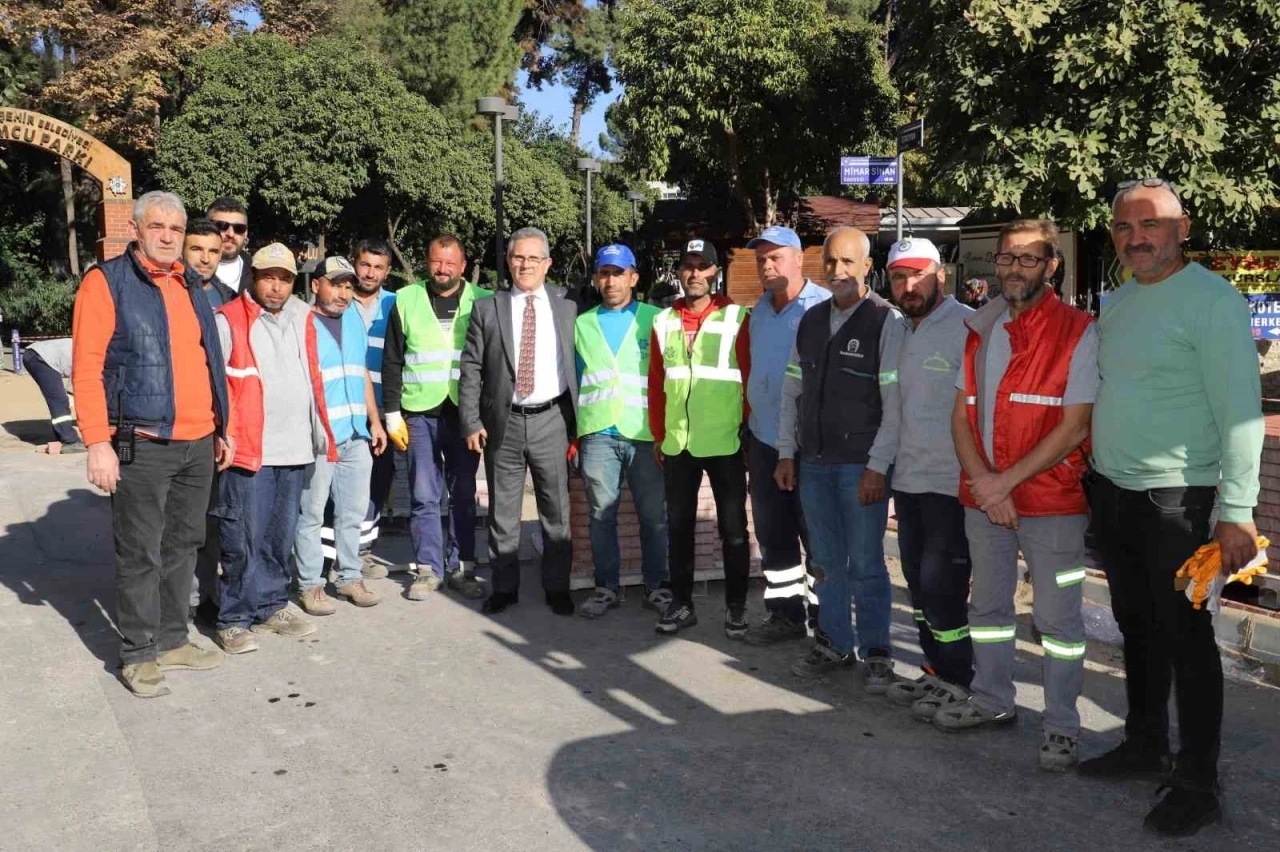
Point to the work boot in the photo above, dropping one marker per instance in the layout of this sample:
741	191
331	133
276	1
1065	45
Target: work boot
968	714
656	599
466	584
237	640
877	672
774	629
372	568
359	594
1128	761
315	602
822	660
144	679
601	601
191	657
424	584
1183	811
1057	752
908	692
941	694
286	622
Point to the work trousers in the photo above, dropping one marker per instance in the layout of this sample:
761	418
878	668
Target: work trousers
381	479
1143	538
780	530
728	475
54	392
440	467
1054	549
935	561
205	587
157	517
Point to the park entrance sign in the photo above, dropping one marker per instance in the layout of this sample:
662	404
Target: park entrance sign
111	170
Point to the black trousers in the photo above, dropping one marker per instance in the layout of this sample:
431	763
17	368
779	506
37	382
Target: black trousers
780	530
205	587
935	562
55	396
158	517
683	477
1143	538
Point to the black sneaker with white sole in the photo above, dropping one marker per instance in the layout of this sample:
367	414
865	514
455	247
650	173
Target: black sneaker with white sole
677	617
735	622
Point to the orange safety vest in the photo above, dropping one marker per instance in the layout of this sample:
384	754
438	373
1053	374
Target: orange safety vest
1029	405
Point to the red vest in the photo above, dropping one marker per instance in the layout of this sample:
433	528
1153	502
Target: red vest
1029	406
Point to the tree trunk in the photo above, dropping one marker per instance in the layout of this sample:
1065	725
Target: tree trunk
576	127
392	226
69	200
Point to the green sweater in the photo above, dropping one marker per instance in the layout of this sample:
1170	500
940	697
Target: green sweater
1180	400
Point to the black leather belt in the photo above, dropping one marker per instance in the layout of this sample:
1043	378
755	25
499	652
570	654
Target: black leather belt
526	410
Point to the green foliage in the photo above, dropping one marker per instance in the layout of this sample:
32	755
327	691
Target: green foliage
758	96
574	52
1043	105
31	300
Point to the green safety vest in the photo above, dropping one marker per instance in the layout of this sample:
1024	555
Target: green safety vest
614	389
703	388
431	362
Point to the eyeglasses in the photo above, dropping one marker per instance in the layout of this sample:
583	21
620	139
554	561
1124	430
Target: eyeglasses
522	259
1026	261
223	226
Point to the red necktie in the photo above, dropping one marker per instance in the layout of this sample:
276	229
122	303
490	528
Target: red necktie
528	339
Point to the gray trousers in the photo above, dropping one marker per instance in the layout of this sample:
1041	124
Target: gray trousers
538	442
1054	550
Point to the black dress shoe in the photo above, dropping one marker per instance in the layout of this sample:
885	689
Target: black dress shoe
204	615
498	601
560	603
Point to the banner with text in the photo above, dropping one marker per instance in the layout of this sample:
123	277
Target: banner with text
1249	271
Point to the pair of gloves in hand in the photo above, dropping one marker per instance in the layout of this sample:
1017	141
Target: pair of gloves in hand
397	430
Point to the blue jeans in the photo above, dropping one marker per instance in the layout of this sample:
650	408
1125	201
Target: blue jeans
439	460
605	460
848	544
257	521
347	480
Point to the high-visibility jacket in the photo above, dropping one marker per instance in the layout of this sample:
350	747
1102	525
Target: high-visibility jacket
338	378
432	361
377	333
1029	401
614	389
702	386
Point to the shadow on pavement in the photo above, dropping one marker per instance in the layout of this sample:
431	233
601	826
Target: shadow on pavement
30	431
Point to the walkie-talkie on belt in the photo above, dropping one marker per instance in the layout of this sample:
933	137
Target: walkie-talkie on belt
124	438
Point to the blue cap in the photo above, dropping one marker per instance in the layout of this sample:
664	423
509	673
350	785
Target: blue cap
778	235
615	255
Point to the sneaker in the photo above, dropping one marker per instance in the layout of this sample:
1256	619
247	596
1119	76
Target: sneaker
941	694
1128	762
908	692
1057	752
466	584
877	673
372	568
656	599
677	617
286	622
1183	811
237	640
774	629
191	657
359	594
424	584
144	679
968	714
822	660
315	602
601	601
735	622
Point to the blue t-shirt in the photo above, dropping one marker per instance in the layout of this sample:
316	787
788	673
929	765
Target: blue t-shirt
614	325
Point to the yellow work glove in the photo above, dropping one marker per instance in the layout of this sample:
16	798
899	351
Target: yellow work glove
397	430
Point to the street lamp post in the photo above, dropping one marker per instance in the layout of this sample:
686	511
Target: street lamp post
635	198
588	165
499	109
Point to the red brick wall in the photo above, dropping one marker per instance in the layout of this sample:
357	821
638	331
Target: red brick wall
113	225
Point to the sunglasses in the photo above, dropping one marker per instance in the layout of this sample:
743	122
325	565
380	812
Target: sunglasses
223	226
1149	183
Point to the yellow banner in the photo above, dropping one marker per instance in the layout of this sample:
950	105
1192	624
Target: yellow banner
1249	271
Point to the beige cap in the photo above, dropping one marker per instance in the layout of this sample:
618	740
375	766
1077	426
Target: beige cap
275	256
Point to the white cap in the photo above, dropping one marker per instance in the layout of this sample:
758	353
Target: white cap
913	253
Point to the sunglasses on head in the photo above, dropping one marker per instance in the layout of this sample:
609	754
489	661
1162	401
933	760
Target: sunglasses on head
1149	183
223	226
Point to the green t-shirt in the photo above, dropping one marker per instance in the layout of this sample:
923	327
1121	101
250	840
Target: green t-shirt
1180	399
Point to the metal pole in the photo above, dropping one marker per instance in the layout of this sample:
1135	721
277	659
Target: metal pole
17	353
588	216
499	244
899	216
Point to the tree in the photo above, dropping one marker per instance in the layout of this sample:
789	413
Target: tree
574	51
1040	107
296	20
758	96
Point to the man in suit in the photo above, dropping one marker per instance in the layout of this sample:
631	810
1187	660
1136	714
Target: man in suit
516	402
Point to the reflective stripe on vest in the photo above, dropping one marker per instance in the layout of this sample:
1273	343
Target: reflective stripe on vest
342	371
614	389
431	361
703	387
377	332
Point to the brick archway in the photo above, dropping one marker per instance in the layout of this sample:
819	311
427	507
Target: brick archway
113	172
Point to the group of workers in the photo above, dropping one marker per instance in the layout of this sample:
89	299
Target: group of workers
238	426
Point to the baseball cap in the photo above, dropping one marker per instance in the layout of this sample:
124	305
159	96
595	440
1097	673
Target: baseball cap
275	256
778	235
615	255
914	253
704	249
336	268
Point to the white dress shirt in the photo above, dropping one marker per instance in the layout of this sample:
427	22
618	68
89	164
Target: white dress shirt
549	378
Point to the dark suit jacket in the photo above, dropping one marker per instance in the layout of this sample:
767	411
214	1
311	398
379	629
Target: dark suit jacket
487	377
